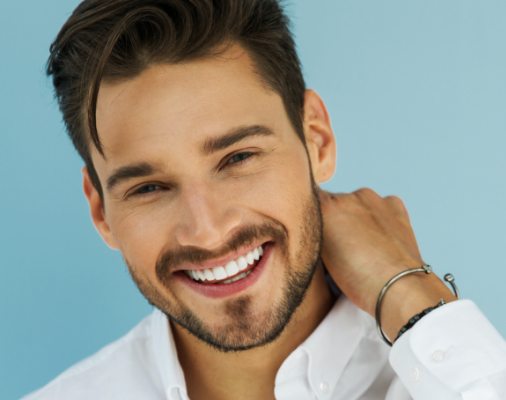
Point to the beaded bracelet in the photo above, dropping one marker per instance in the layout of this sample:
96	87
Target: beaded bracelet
413	320
424	268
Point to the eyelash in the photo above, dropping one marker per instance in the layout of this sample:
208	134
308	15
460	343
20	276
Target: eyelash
248	155
144	189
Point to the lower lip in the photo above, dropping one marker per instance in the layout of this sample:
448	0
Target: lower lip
228	289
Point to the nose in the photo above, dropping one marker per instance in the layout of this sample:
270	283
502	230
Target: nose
206	218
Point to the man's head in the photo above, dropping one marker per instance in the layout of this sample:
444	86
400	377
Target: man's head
115	40
201	147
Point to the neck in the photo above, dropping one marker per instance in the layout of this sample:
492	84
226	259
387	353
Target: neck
249	374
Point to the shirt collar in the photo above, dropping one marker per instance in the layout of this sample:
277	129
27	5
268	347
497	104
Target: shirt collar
322	357
167	362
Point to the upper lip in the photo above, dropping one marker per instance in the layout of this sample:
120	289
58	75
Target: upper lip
221	261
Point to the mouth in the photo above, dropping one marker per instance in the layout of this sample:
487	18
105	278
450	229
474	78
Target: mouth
231	272
234	276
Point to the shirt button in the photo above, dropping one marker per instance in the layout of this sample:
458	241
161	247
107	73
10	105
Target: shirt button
438	356
324	387
416	374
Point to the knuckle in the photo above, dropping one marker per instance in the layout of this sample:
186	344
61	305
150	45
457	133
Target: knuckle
397	203
365	190
394	199
366	193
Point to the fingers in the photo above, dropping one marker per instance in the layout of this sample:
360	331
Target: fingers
367	199
329	198
323	194
368	196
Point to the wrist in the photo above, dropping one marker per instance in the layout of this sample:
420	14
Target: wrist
410	296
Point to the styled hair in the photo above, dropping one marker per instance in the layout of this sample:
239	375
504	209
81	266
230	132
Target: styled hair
115	40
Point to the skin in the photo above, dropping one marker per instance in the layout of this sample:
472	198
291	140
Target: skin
162	117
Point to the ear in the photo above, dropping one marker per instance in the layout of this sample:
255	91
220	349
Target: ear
320	141
97	210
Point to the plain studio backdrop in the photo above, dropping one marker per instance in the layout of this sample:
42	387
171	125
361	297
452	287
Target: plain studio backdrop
417	95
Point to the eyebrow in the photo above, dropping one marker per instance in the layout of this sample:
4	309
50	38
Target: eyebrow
128	172
210	145
235	135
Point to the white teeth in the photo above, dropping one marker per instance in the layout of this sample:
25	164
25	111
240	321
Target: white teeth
249	258
243	264
219	273
238	277
230	270
209	275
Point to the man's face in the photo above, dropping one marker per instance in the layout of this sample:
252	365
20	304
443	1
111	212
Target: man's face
208	194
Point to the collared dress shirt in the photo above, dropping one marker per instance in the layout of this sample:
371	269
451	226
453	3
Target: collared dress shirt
453	353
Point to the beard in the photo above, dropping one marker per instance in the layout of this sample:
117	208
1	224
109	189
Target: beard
242	327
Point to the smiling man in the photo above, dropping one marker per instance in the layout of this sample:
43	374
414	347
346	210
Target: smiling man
203	168
204	152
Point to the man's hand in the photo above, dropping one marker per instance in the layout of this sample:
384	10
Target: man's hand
367	239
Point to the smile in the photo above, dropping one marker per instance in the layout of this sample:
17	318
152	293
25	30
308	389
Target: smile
233	271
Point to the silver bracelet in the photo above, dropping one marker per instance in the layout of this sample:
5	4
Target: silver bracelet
427	269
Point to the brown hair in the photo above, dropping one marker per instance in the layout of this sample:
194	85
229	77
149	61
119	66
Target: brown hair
117	39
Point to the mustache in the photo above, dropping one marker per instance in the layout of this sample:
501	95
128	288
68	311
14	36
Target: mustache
171	259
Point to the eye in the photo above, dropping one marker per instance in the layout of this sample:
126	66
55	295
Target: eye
239	158
146	190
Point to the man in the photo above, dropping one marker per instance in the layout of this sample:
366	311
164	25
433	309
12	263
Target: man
203	153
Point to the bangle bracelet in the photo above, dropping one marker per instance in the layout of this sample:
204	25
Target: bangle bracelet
427	269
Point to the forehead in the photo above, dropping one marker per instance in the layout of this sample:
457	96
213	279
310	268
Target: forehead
185	102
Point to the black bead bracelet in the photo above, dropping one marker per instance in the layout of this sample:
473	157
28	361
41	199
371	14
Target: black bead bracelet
413	320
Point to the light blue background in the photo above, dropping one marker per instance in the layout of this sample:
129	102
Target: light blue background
417	92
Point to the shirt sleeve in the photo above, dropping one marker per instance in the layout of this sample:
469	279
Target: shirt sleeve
452	353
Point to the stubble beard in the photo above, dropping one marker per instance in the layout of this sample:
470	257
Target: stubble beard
246	328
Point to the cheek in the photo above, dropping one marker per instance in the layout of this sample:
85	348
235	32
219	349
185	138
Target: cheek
140	238
283	186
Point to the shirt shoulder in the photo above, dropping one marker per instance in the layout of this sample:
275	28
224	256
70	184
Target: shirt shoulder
123	369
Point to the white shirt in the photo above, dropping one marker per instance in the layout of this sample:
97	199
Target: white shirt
452	353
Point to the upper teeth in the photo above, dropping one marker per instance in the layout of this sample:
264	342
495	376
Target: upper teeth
230	269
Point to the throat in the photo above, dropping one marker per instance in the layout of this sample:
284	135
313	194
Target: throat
241	375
